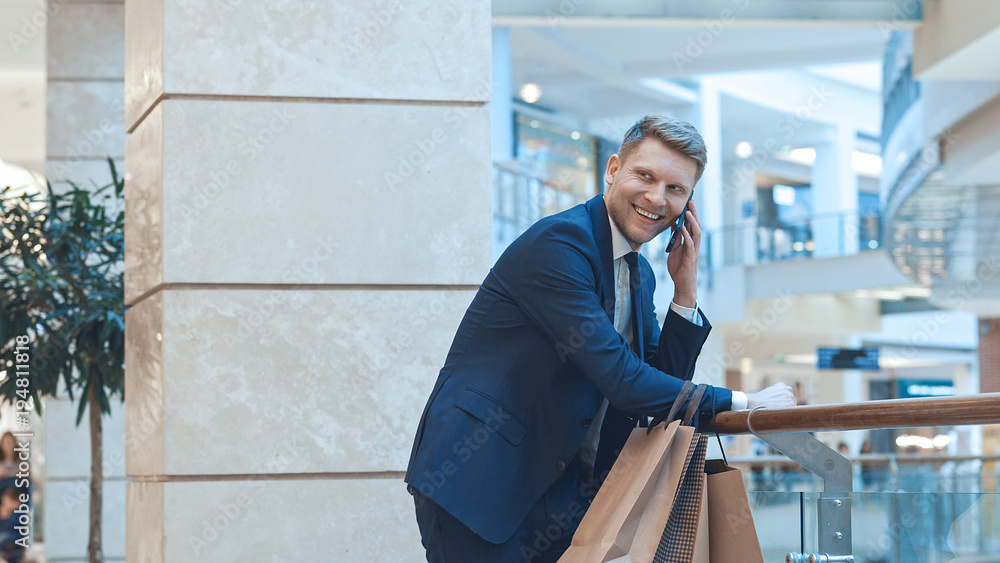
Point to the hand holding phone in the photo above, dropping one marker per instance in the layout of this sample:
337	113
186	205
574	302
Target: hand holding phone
678	224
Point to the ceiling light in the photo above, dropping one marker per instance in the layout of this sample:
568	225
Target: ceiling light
744	149
804	156
531	92
866	164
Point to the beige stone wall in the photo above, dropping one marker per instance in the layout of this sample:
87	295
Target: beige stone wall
84	126
308	214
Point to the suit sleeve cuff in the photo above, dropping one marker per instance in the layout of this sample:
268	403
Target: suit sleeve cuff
740	401
688	313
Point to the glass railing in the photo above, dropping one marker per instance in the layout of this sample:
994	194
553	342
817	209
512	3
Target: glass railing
938	509
887	527
823	235
899	90
520	199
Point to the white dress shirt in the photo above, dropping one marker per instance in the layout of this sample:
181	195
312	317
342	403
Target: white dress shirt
623	324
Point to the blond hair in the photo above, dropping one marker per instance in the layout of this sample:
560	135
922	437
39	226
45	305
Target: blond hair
674	133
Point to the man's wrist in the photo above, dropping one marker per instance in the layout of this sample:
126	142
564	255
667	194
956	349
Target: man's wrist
690	314
689	300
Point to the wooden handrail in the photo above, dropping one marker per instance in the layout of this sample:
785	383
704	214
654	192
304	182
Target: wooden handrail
893	413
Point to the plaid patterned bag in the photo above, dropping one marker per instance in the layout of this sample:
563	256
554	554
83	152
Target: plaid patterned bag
683	534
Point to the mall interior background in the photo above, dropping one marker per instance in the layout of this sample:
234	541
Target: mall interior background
850	202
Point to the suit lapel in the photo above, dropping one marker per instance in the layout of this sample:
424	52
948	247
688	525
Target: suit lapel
602	235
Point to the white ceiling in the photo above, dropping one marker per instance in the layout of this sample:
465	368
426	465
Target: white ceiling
598	72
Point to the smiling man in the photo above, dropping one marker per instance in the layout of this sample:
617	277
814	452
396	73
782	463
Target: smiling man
560	356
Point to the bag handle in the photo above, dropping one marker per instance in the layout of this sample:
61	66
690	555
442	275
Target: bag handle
674	408
716	428
692	409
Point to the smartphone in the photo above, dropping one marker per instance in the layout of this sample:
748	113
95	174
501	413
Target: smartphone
678	224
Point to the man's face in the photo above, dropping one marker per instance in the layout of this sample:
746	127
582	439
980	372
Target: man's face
647	191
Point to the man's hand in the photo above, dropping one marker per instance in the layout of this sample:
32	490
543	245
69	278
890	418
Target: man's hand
776	396
682	262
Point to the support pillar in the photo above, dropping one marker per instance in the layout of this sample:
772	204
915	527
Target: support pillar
309	215
835	196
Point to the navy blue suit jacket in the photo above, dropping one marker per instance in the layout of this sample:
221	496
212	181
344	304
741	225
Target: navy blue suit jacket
530	364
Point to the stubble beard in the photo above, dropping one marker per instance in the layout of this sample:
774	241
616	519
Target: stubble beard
623	226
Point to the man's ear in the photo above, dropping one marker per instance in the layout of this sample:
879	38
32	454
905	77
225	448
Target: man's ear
612	169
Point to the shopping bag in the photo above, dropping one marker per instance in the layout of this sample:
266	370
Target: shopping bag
657	510
696	511
648	469
732	534
679	541
613	516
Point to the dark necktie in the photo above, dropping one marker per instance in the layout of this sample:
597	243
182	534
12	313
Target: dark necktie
635	286
618	424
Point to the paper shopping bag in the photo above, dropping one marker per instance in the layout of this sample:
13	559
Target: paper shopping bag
650	526
613	516
731	530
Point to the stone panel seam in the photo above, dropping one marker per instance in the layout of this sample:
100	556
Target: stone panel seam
85	158
85	79
299	287
86	478
142	117
302	100
390	475
322	100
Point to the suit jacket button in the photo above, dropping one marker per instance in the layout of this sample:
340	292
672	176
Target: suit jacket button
587	421
560	465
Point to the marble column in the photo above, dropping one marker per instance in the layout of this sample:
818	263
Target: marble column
84	127
308	214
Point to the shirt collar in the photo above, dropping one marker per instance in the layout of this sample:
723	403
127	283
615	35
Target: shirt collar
619	246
